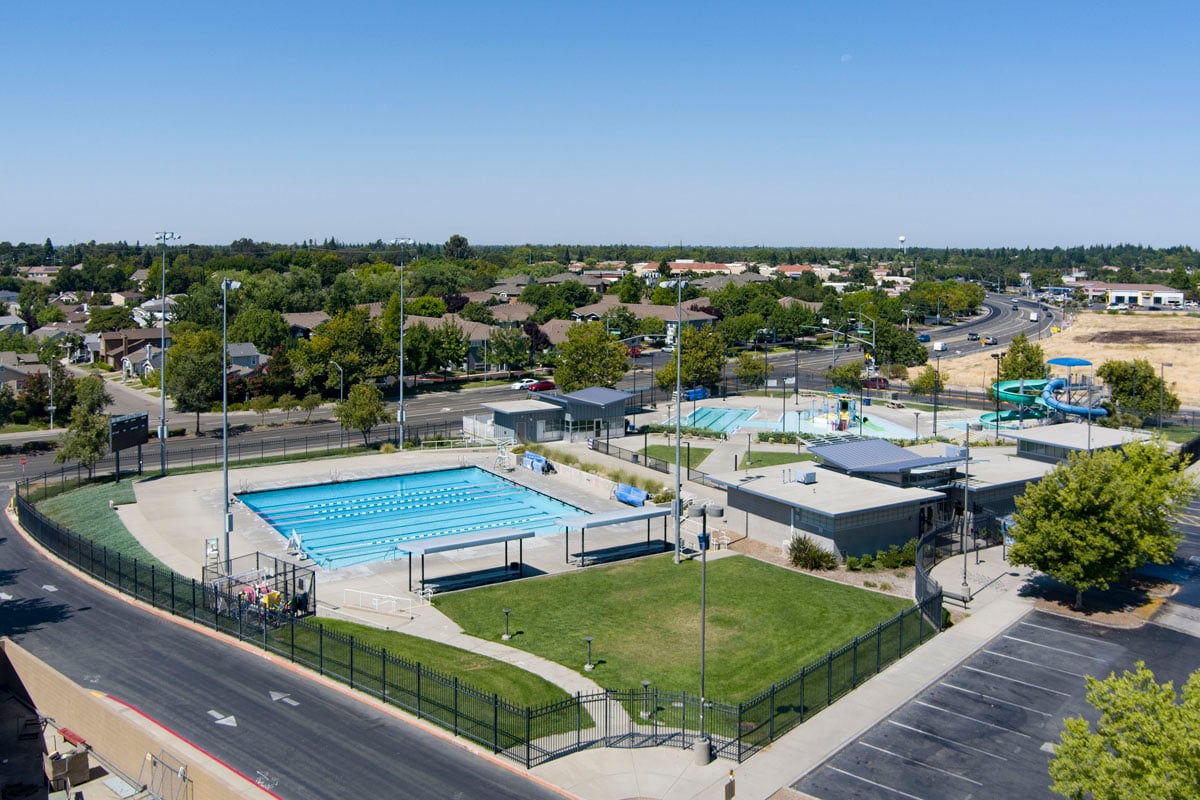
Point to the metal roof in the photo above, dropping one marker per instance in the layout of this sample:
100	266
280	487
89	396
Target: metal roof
461	541
1067	361
614	517
598	396
875	455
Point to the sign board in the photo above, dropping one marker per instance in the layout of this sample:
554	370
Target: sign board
128	430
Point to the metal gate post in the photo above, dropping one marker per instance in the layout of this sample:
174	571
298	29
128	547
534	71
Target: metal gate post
383	674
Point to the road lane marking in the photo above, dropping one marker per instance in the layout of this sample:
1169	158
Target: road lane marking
973	719
50	587
995	699
879	785
920	763
221	719
1035	664
944	739
1055	649
1015	680
283	697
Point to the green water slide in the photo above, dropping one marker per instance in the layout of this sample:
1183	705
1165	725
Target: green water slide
1020	393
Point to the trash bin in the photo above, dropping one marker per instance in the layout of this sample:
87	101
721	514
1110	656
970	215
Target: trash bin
866	401
703	751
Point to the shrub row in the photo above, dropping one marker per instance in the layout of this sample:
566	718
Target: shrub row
892	558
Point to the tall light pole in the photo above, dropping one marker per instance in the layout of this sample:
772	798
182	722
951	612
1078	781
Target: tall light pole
400	242
226	285
678	414
164	237
703	744
937	380
966	511
1162	391
996	392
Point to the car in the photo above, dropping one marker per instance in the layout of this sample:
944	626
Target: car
989	340
922	337
875	383
972	337
541	386
635	352
1118	307
668	348
524	383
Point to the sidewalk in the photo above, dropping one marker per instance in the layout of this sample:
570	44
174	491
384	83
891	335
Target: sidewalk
611	774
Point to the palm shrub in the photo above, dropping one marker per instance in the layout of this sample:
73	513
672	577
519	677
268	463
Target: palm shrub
803	552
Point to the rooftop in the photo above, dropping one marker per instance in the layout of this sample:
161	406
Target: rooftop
1076	436
876	455
517	406
833	494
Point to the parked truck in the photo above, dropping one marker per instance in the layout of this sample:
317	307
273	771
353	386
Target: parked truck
1033	316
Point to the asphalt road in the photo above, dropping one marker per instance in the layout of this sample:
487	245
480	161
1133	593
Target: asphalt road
326	744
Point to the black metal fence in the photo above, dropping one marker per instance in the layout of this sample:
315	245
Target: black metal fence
632	456
527	735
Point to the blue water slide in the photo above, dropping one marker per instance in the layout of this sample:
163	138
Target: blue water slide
1083	411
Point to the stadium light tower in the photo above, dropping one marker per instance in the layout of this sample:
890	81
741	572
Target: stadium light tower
401	241
164	237
226	285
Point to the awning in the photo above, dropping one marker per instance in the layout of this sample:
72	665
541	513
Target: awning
614	517
461	541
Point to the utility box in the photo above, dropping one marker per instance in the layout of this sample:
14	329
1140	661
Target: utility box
69	768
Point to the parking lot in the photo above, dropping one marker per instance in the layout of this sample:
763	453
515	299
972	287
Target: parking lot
987	728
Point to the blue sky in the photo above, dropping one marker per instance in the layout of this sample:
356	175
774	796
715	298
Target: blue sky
740	123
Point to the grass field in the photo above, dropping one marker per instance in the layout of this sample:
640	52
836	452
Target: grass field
487	674
86	512
767	458
667	453
764	622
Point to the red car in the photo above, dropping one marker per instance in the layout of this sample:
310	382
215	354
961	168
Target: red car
541	386
875	383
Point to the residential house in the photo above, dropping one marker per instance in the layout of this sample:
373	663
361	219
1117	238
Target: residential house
303	323
513	312
668	314
117	346
10	323
125	298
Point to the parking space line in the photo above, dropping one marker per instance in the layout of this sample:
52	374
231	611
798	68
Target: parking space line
876	784
1055	649
1015	680
1057	632
920	763
932	735
1035	664
992	699
973	719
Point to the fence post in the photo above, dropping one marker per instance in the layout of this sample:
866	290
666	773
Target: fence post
578	721
803	705
193	599
772	717
293	637
854	669
153	588
351	662
172	592
878	647
321	648
495	723
900	635
456	704
418	690
383	673
829	679
528	737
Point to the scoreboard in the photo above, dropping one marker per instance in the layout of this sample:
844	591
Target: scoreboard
128	430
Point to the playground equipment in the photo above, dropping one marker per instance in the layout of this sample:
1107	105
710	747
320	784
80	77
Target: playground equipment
1035	398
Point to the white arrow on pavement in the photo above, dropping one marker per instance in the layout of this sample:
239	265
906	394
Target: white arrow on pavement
5	596
49	587
221	719
283	696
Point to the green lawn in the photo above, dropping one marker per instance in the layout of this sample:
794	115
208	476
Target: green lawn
767	458
764	622
667	453
86	512
513	684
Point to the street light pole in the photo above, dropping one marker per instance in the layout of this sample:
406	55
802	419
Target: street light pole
226	285
164	237
1162	391
341	380
678	415
937	379
966	510
996	392
401	241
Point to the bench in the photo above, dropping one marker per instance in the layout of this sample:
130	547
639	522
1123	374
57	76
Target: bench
467	580
631	495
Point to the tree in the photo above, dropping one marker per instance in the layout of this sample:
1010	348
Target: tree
751	370
420	349
193	367
457	248
309	404
928	381
362	410
507	347
91	394
287	403
1145	746
425	307
630	289
110	318
1101	515
85	440
1137	388
1022	360
703	358
620	322
450	346
898	346
589	357
847	376
261	405
263	327
477	312
740	329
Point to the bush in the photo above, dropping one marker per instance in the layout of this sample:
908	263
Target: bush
908	553
803	552
777	438
868	560
519	450
946	621
387	448
890	558
19	417
884	586
852	564
663	496
869	584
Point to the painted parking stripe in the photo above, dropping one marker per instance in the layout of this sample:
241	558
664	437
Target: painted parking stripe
876	784
916	762
992	699
1037	664
1015	680
956	744
972	719
1058	632
1051	647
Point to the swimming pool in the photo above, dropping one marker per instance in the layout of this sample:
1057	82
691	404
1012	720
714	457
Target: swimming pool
721	420
356	522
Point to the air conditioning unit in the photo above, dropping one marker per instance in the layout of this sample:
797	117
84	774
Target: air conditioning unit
954	451
806	477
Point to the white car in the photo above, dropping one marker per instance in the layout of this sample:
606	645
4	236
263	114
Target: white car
524	383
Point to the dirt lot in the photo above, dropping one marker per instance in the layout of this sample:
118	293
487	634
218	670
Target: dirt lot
1099	337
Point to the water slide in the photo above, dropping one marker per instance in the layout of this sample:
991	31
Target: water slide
1048	399
1026	395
